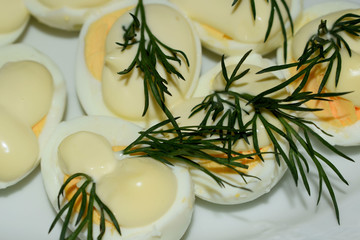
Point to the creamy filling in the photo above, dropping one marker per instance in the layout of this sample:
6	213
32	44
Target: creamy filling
86	152
124	94
235	22
19	148
138	191
26	90
13	14
78	4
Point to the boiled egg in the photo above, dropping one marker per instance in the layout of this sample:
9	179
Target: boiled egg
64	14
267	172
102	91
32	102
149	199
232	30
14	17
340	116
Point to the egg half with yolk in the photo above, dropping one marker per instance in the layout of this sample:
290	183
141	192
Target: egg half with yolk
64	14
232	30
32	103
150	200
268	172
340	116
102	91
14	17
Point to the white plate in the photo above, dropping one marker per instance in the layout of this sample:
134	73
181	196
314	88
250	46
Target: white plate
285	213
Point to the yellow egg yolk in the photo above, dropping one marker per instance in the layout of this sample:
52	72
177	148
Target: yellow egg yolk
95	41
338	112
218	168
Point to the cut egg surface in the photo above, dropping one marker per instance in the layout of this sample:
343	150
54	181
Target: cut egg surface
102	91
32	102
65	14
268	172
14	17
219	28
339	117
149	199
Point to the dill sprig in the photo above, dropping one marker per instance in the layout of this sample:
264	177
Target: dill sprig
165	145
275	9
84	217
322	48
150	53
295	159
227	132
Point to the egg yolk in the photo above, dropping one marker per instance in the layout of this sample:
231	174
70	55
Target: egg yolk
138	190
95	40
13	14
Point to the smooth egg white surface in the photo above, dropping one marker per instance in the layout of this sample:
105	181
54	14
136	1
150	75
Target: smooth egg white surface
14	17
20	52
218	42
90	89
336	135
269	172
66	17
171	225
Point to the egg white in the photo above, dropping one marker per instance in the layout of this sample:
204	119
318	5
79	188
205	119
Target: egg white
20	52
341	136
269	171
64	18
89	89
172	225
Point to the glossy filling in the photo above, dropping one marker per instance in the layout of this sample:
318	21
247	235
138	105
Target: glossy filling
137	190
222	20
13	14
26	90
19	148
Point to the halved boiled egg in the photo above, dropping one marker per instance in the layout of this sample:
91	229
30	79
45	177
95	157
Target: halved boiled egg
149	199
102	91
32	103
268	172
64	14
340	116
232	30
14	17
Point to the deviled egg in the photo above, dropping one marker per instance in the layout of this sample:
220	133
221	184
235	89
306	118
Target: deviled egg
32	103
149	199
231	28
102	91
266	172
340	116
14	17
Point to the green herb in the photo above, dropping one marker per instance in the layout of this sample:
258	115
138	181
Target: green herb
225	105
322	47
149	54
275	9
85	215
